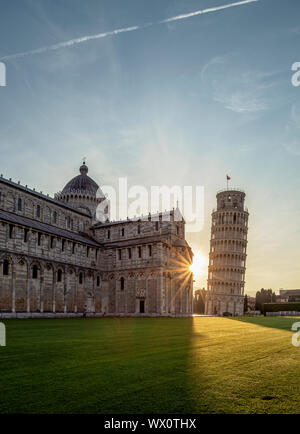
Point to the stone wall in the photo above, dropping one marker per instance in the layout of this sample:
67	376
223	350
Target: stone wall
41	208
47	246
132	269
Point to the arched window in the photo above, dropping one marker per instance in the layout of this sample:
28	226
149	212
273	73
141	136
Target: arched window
54	217
5	267
122	280
139	229
11	229
69	222
59	275
35	272
19	204
98	280
80	278
38	211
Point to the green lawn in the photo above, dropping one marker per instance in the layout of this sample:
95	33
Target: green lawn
150	365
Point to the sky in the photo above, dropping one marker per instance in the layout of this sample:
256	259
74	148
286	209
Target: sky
177	102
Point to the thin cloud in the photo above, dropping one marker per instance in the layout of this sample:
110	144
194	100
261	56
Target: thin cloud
206	11
124	30
242	102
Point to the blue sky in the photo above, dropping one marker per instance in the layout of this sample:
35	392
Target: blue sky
183	102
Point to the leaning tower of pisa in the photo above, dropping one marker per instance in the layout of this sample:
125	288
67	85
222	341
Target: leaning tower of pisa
227	258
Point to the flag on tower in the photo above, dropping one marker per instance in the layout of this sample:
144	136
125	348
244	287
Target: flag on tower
228	179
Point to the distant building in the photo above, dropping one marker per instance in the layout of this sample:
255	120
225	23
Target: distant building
288	295
227	258
251	302
199	301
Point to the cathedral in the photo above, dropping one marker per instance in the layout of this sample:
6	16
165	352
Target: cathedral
57	260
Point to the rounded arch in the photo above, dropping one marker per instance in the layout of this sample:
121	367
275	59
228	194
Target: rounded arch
7	264
35	267
59	274
98	280
81	277
37	263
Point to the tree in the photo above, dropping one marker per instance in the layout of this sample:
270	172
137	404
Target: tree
246	304
264	296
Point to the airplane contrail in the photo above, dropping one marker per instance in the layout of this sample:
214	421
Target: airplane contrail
124	30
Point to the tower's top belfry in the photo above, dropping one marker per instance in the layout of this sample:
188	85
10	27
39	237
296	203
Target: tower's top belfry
231	200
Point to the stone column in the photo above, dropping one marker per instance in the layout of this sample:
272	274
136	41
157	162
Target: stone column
126	293
94	293
54	291
161	296
173	293
42	293
76	291
117	294
28	288
13	282
66	281
181	295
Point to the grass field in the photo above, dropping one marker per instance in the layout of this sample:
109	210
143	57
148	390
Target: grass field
150	365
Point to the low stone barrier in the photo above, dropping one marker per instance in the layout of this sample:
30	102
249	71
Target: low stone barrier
25	315
253	313
49	315
283	313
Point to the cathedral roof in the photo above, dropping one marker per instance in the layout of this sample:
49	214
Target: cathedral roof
44	227
180	243
82	184
40	195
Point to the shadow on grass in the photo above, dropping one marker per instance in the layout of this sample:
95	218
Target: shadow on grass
281	323
106	366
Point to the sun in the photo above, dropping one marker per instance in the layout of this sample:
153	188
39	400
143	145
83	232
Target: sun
199	265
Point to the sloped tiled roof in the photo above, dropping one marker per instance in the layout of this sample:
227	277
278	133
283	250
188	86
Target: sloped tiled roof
180	243
44	227
135	241
41	196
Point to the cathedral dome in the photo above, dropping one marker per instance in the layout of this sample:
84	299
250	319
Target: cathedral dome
82	184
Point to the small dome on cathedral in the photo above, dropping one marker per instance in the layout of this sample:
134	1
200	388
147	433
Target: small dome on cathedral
83	169
82	184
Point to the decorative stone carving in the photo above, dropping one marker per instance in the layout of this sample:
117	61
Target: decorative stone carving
141	293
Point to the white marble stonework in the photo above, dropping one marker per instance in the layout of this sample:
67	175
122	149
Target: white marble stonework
56	260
